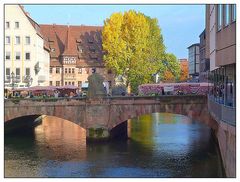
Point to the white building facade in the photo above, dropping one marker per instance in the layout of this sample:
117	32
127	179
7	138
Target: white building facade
26	58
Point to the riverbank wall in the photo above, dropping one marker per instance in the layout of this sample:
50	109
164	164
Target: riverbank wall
226	136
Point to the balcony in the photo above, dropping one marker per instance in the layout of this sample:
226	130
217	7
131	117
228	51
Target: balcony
222	112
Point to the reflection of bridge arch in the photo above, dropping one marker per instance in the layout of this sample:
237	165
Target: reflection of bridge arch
99	116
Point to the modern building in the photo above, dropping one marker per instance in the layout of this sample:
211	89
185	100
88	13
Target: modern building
193	61
204	64
221	21
26	56
221	49
75	53
184	69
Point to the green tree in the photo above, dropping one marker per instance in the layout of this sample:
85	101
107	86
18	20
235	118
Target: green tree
172	69
133	47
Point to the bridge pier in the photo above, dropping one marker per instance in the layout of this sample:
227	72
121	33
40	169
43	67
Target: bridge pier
97	134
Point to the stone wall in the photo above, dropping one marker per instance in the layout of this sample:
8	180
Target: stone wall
226	135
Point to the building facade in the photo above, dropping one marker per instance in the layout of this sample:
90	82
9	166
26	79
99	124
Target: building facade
26	58
221	50
75	53
221	21
204	64
193	61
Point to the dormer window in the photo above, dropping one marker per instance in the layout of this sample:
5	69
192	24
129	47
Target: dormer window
90	40
80	49
92	48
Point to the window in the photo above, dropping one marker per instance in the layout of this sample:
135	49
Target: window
27	40
27	71
50	70
7	25
8	40
73	83
219	17
17	56
8	57
65	83
16	24
50	83
57	70
227	12
79	70
8	71
79	83
17	40
69	71
66	70
234	12
27	55
57	83
69	83
17	71
73	70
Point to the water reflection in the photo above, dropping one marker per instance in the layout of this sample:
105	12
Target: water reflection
160	145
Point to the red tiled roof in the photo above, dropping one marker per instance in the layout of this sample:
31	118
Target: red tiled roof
82	42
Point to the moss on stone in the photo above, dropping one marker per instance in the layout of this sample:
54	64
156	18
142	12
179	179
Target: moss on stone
99	132
91	132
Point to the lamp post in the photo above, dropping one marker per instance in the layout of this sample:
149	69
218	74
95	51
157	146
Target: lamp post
29	80
13	80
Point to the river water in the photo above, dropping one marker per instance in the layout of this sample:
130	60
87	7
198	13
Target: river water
159	145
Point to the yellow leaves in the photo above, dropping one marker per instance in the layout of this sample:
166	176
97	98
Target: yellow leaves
134	46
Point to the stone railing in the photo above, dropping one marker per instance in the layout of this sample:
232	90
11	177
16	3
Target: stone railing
222	112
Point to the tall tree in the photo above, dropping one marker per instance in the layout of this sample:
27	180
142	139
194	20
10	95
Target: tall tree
134	46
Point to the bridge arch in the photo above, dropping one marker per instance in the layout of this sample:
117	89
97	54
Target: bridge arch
71	111
195	111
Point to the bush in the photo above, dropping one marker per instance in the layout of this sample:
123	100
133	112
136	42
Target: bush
119	90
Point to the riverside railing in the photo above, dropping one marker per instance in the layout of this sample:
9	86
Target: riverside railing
222	112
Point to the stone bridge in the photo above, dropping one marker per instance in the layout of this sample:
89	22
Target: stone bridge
101	116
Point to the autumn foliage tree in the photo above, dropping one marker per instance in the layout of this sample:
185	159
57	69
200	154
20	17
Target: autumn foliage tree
184	71
172	69
133	46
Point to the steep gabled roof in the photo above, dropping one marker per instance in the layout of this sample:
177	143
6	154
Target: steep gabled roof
82	42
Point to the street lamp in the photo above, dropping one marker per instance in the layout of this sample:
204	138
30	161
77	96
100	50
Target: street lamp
13	80
29	80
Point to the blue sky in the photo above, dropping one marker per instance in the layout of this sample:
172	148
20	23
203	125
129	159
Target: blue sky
181	24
